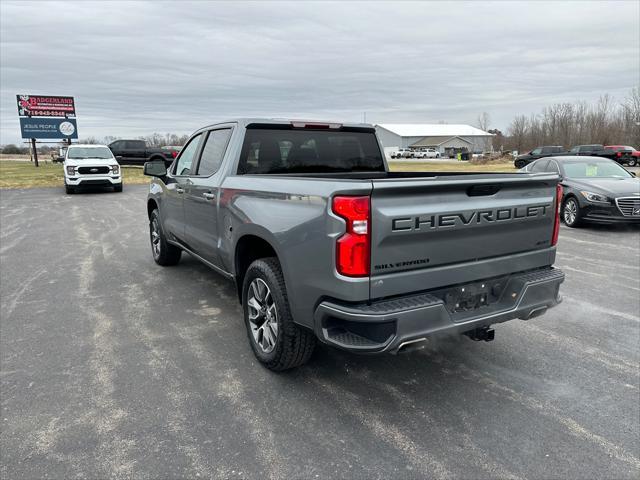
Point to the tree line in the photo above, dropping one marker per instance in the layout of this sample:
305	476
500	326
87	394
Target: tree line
605	122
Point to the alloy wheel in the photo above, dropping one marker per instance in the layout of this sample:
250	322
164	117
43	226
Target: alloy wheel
263	316
570	212
155	238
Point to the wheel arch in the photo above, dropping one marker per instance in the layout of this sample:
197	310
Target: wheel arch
151	206
249	248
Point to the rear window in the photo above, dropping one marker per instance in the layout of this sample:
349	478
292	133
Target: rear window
275	151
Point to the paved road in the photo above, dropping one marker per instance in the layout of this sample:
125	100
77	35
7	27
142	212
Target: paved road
114	367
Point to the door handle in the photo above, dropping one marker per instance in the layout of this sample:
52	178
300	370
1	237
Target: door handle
179	190
209	196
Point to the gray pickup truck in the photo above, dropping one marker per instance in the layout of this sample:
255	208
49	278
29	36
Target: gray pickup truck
325	243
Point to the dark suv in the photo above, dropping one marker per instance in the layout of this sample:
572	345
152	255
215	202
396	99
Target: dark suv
538	152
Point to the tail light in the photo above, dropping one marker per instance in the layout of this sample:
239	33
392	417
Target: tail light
353	247
174	153
556	221
619	154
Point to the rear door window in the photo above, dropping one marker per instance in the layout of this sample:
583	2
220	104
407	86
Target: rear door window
552	166
134	144
213	152
539	166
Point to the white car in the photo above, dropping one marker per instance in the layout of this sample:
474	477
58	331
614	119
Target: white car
426	153
91	165
402	153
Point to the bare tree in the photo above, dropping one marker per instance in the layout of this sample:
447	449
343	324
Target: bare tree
483	123
569	124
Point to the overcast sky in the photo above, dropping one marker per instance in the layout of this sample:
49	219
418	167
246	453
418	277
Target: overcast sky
139	68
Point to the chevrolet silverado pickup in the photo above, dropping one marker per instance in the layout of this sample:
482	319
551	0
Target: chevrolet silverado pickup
324	243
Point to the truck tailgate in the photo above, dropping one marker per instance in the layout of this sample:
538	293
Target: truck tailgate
436	231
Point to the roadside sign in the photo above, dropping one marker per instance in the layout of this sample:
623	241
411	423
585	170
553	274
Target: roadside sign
48	117
45	106
48	128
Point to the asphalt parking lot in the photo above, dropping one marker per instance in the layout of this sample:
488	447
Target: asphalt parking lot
112	366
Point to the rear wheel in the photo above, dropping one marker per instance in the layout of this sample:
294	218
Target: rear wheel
571	213
277	342
163	252
632	162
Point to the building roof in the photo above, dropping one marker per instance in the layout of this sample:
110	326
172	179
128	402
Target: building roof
433	130
436	141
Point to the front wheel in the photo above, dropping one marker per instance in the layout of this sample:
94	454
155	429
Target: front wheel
163	252
520	164
632	162
117	188
69	189
277	342
571	213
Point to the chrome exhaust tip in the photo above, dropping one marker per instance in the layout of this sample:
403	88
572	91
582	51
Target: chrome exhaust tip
411	345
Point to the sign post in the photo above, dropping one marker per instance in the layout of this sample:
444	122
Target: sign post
35	152
46	117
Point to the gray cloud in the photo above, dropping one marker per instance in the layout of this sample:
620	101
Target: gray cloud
138	68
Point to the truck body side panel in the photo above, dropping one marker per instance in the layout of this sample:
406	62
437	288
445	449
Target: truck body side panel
294	216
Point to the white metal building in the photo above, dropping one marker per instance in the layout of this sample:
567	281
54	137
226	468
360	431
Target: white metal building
442	137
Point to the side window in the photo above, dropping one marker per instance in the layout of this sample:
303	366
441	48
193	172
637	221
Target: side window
117	145
213	152
187	155
136	145
553	167
574	150
536	151
539	166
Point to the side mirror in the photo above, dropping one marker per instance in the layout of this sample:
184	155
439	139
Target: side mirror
157	168
632	173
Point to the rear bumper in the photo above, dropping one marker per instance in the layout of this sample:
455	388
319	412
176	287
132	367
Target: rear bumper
386	325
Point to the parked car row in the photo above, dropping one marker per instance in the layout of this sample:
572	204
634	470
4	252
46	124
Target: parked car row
594	189
622	154
415	153
133	152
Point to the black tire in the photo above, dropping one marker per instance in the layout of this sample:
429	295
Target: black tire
69	189
117	188
520	164
293	345
163	252
632	162
574	220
